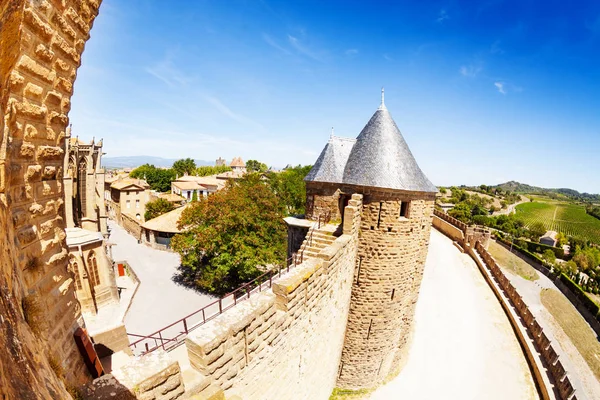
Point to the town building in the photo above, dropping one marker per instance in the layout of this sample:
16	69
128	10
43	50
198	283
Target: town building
126	200
396	218
202	186
238	166
549	238
159	231
172	198
220	162
86	232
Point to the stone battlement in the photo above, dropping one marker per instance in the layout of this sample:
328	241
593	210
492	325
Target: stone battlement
285	342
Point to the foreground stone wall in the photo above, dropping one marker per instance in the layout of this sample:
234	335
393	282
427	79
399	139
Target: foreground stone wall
285	343
41	42
155	376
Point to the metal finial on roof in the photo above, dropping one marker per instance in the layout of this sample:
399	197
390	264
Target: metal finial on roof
331	136
382	106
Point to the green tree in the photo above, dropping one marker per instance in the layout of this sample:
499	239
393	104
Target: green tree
195	195
570	267
229	235
185	166
561	239
536	230
159	179
206	170
288	185
256	166
549	256
157	208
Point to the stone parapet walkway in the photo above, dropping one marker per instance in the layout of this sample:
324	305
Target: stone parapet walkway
463	344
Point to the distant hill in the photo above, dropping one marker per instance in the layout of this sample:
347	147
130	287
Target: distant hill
136	161
517	187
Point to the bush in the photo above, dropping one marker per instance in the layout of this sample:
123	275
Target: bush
539	248
581	295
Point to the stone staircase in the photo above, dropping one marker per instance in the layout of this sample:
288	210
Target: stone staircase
316	240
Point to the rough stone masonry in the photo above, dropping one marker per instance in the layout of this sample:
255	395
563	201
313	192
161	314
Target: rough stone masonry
41	43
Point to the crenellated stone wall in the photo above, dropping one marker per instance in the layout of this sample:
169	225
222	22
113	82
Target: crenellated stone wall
285	343
41	42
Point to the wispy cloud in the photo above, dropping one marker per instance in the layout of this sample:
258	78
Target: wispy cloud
223	109
501	86
495	48
471	70
303	49
351	52
271	42
442	16
166	71
387	57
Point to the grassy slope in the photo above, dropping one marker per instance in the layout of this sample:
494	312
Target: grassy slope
571	219
512	263
574	326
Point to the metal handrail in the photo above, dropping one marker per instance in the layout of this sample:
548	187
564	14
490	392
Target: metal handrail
234	297
167	343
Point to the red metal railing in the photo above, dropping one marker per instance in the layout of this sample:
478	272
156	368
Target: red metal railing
174	334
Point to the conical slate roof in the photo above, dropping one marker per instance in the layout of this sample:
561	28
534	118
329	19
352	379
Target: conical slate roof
381	158
329	167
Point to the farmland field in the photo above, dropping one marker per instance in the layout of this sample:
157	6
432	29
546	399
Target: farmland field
569	219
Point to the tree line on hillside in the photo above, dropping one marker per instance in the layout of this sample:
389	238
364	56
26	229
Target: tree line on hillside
594	211
560	193
160	179
236	234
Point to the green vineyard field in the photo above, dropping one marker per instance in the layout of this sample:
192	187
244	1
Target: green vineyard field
569	219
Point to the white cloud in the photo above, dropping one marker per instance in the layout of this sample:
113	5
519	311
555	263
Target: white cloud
501	86
351	52
470	71
271	42
442	16
223	109
167	72
387	57
303	49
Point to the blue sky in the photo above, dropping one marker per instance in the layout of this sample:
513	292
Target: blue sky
483	92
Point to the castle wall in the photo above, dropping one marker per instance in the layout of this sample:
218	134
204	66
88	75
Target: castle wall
389	268
285	343
41	45
448	229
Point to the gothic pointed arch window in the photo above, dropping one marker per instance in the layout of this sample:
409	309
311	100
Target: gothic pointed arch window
81	187
94	276
75	268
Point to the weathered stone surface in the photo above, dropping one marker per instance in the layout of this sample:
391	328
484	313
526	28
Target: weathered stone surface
29	209
284	343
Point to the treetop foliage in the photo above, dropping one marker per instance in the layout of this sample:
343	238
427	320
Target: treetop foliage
256	166
159	179
229	234
157	208
185	166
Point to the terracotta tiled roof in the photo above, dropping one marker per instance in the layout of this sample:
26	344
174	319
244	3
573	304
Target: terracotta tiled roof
237	162
129	182
188	185
166	222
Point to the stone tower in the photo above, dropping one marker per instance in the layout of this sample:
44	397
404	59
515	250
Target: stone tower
398	202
